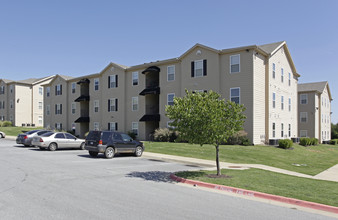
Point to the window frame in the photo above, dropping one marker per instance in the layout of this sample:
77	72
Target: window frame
133	78
173	96
47	109
168	74
40	90
302	131
289	130
282	102
134	103
303	114
290	107
48	91
195	69
113	81
239	63
273	129
96	84
273	70
239	95
282	130
301	100
73	108
282	75
96	126
96	105
289	79
40	105
135	129
273	100
73	87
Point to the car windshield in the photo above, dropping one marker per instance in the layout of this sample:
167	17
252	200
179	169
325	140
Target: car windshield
31	132
94	135
47	134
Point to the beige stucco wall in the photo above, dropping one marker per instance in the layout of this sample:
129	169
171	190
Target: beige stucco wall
3	98
22	105
325	110
310	108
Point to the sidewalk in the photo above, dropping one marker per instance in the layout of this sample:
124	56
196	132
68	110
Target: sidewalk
330	174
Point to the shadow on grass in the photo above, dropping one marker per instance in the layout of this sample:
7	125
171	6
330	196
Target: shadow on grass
191	174
155	176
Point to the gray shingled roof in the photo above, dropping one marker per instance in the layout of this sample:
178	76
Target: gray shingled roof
7	80
307	87
269	48
28	81
66	77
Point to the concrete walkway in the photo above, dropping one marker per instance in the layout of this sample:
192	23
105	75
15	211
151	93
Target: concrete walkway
331	174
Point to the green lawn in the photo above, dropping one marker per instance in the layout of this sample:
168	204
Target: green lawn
313	160
14	131
324	192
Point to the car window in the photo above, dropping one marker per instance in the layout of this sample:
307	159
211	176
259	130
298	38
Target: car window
117	137
105	136
47	134
59	136
126	137
94	135
42	132
69	136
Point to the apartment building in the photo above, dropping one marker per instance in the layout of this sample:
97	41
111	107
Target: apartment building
122	98
21	102
315	110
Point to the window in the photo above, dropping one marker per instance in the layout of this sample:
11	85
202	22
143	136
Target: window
273	130
282	102
40	120
96	126
58	89
58	109
73	87
134	102
11	88
289	131
48	91
303	133
47	109
135	78
171	73
112	105
58	126
322	101
282	130
112	81
11	103
303	99
303	117
2	90
273	71
273	100
235	95
235	63
112	126
40	105
11	118
322	118
73	108
198	68
170	98
289	104
40	91
282	75
289	79
134	127
96	106
96	84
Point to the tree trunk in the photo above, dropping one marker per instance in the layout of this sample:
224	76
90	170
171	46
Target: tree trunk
217	161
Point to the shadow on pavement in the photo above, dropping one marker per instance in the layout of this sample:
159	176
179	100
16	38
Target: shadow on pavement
156	176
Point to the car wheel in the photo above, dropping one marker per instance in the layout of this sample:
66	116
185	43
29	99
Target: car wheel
52	146
93	154
82	146
1	135
138	151
109	152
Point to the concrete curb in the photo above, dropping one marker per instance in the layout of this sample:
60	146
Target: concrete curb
250	193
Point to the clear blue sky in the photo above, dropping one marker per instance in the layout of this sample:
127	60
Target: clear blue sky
41	37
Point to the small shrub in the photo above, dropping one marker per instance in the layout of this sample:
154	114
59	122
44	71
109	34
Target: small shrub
285	143
305	141
334	141
240	138
132	134
246	142
165	135
314	141
6	124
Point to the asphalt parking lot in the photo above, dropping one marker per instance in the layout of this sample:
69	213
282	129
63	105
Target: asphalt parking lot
69	184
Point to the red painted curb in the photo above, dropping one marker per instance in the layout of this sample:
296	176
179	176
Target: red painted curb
246	192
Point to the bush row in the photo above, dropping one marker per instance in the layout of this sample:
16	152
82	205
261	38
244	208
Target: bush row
5	124
308	141
334	141
285	143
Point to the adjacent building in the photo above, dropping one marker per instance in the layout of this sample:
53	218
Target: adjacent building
21	102
263	78
315	110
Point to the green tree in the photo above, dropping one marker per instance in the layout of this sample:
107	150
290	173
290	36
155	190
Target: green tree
204	118
334	131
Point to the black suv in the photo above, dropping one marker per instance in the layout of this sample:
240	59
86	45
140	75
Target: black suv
110	143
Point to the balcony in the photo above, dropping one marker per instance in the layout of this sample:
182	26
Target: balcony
153	117
82	120
82	98
155	90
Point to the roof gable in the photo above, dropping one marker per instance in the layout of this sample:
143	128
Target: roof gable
318	87
198	46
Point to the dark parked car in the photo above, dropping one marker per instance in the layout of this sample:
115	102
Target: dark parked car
111	142
27	137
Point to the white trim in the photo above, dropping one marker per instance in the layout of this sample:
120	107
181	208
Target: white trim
300	117
273	100
132	103
98	105
300	99
195	76
239	92
132	78
135	128
239	63
98	84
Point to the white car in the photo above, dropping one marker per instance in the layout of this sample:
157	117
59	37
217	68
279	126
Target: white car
57	140
2	134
